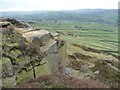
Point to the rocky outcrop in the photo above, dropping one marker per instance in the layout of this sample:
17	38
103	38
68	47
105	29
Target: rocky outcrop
13	22
24	49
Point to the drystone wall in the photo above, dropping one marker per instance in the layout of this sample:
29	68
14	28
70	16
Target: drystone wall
24	49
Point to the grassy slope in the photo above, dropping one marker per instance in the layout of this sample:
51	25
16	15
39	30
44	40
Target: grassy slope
97	36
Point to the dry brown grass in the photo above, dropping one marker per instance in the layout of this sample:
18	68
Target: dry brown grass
61	81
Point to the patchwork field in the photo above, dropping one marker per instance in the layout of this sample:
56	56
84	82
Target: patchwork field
94	35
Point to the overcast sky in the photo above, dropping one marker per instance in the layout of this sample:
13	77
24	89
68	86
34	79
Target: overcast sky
29	5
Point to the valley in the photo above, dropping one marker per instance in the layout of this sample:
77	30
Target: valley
91	38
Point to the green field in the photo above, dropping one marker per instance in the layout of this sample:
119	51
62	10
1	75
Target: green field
94	35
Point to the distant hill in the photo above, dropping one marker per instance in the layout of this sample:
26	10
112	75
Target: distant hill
109	16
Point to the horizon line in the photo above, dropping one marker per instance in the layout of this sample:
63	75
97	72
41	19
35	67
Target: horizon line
60	10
